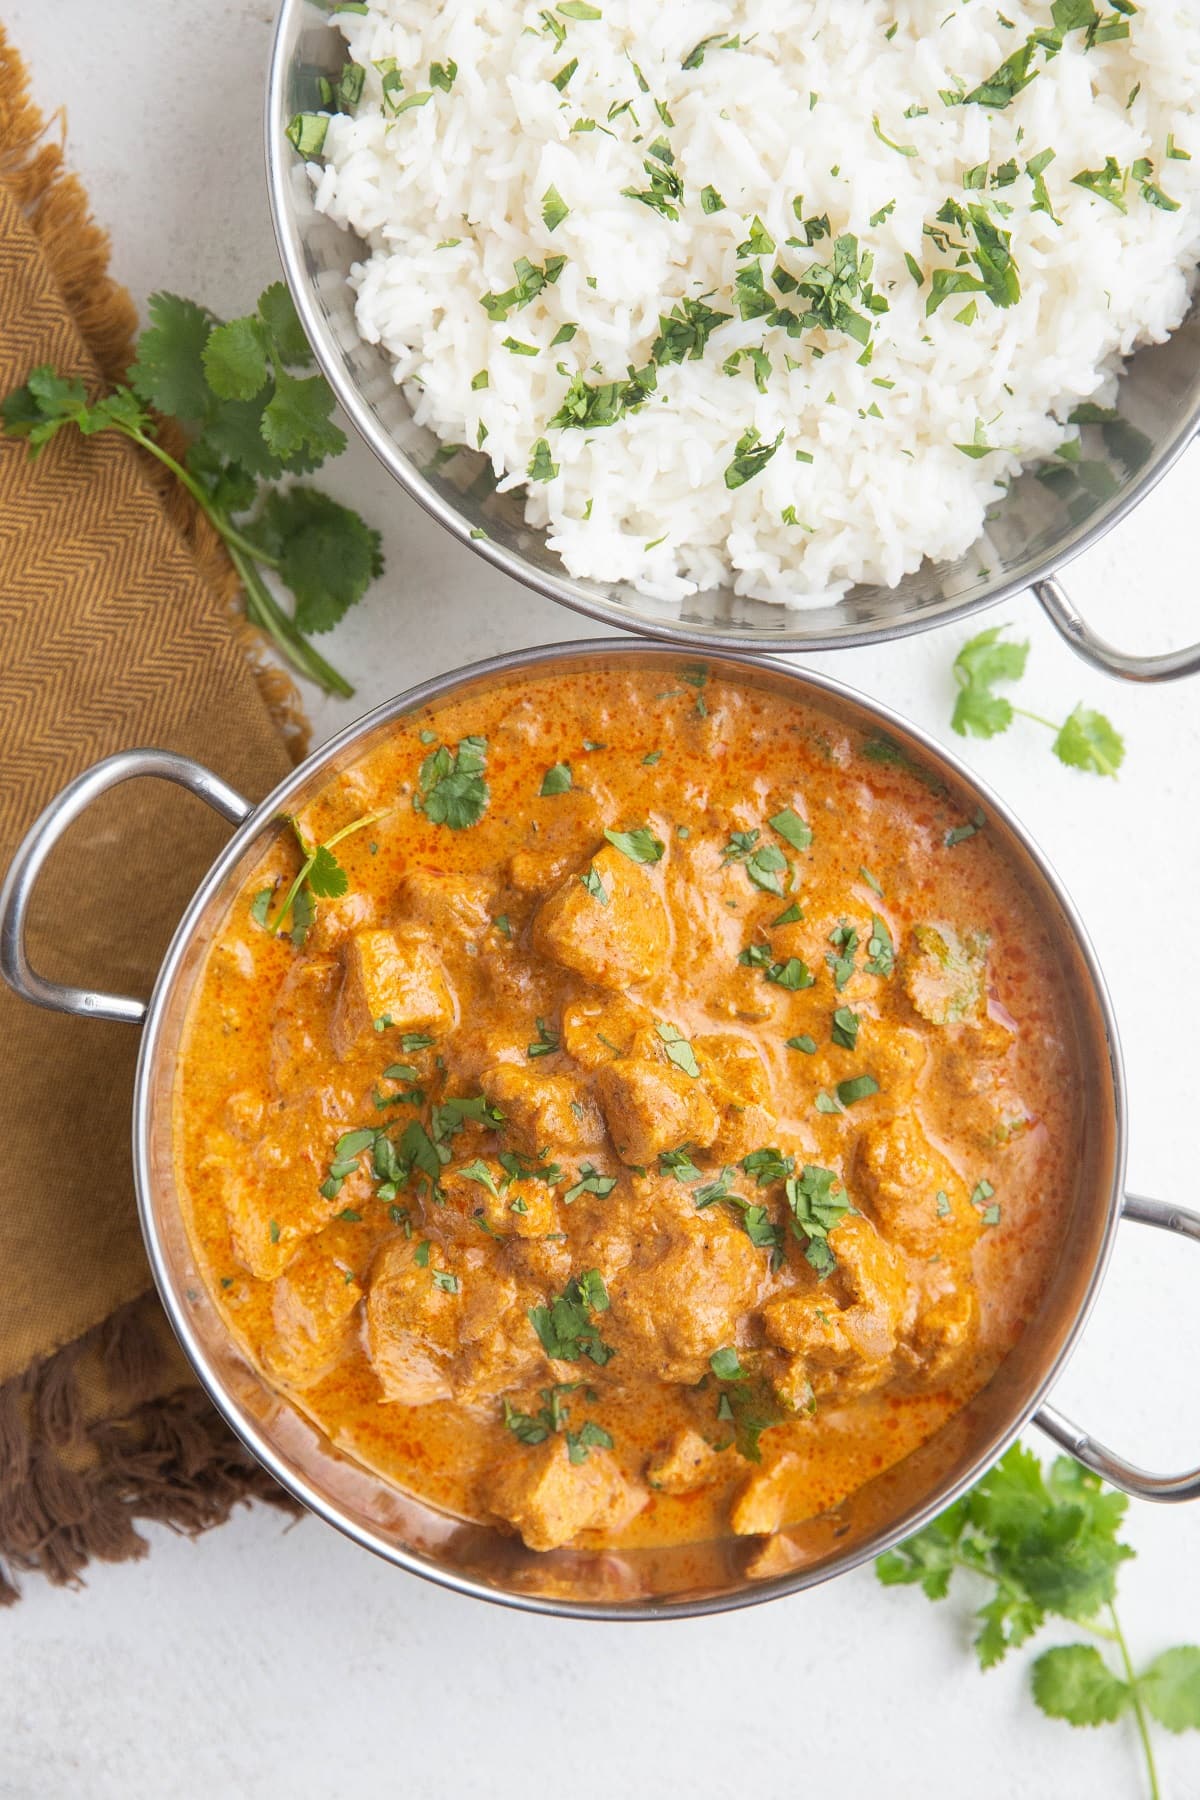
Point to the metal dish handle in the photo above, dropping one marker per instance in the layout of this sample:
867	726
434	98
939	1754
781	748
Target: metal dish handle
1101	1461
1067	621
41	838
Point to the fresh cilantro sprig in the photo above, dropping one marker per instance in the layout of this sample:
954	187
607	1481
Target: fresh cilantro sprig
251	419
1047	1543
319	877
1085	739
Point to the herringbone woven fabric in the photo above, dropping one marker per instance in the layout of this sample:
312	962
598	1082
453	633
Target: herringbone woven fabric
115	630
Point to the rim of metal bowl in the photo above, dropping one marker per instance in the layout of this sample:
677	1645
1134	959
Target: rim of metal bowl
808	684
559	589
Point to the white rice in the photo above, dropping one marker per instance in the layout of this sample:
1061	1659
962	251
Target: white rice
449	193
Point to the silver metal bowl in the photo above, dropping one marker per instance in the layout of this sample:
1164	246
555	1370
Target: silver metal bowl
474	1559
1048	517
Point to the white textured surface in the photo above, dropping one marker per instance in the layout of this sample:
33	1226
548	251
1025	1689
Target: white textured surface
266	1662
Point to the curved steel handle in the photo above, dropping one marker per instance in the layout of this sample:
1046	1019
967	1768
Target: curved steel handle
1127	1476
40	839
1060	609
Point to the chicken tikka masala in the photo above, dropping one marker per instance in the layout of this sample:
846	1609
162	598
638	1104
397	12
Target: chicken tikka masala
629	1109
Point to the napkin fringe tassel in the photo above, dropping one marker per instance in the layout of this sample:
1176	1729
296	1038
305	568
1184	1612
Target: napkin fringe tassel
73	1487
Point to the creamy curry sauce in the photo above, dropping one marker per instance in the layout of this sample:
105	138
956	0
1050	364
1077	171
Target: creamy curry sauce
685	1194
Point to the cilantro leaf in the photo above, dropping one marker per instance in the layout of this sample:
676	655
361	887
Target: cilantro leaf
169	368
1087	740
280	320
1075	1683
296	420
235	360
1170	1687
982	661
640	845
453	789
327	555
326	877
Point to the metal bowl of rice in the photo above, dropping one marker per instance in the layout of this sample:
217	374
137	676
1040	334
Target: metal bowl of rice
1047	512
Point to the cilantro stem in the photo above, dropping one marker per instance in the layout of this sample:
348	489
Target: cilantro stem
263	609
261	605
1036	717
1139	1710
310	857
220	523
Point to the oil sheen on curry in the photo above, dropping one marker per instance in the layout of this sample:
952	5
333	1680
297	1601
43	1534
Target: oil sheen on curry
651	1118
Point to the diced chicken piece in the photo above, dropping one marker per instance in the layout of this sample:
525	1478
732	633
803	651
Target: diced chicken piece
526	1209
393	975
597	1029
975	1097
945	972
737	1082
917	1197
946	1330
499	1347
841	1337
607	922
544	1112
764	1502
684	1464
336	919
244	1114
875	1281
837	948
300	1022
653	1106
895	1056
550	1500
534	872
447	905
311	1308
273	1202
683	1294
414	1326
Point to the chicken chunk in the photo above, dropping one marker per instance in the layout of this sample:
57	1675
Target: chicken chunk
413	1326
543	1112
273	1201
946	1330
311	1307
841	1337
736	1080
607	922
683	1294
299	1042
525	1209
393	975
762	1505
917	1197
653	1106
597	1028
684	1463
550	1500
444	904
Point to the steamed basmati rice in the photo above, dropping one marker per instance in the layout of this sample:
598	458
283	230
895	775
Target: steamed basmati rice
844	452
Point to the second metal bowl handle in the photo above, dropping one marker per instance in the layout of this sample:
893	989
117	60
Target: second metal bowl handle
1067	621
40	839
1114	1469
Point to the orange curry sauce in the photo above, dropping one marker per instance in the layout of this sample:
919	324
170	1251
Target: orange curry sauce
740	1339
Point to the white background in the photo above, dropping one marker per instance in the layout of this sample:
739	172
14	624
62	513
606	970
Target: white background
264	1661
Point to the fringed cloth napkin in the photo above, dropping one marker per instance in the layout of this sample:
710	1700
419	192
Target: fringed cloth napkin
117	628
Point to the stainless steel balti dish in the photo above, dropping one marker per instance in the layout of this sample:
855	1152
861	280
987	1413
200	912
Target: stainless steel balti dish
475	1559
1030	535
